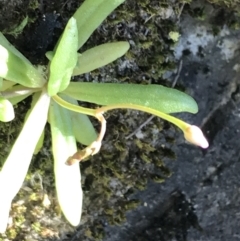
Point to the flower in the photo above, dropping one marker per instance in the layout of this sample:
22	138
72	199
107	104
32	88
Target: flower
194	135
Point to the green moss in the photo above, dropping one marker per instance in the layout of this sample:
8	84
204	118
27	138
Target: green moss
11	233
36	227
232	4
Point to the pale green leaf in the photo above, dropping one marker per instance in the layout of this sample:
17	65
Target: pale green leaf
157	97
16	165
91	14
6	110
49	55
6	85
14	68
17	99
67	178
15	93
5	43
41	138
83	129
99	56
64	59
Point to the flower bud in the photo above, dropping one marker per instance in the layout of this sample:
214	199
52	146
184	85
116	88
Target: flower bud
194	135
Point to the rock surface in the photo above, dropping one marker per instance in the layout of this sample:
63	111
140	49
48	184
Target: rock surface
207	180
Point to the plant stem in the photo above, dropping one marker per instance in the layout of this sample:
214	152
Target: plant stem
76	108
179	123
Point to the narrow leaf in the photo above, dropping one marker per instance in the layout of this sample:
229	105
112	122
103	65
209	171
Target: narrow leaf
6	110
49	55
14	68
15	93
41	138
91	14
64	59
17	99
83	129
6	85
16	165
158	97
67	178
99	56
6	44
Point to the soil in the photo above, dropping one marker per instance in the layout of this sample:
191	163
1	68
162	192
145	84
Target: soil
153	186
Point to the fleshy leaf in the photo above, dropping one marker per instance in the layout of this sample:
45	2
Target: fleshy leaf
15	93
67	178
91	14
14	68
16	165
83	129
6	44
158	97
49	55
17	99
41	139
99	56
6	110
6	85
64	59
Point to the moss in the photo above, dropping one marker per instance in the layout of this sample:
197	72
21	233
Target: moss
17	14
231	4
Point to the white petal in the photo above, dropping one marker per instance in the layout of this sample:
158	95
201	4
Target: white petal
194	135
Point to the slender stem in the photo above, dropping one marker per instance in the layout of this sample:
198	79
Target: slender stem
179	123
75	108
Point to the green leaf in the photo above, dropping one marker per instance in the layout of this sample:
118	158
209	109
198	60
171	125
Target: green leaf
99	56
158	97
49	55
15	93
6	85
6	110
41	138
39	143
83	129
64	59
6	44
67	178
91	14
17	99
16	165
14	68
